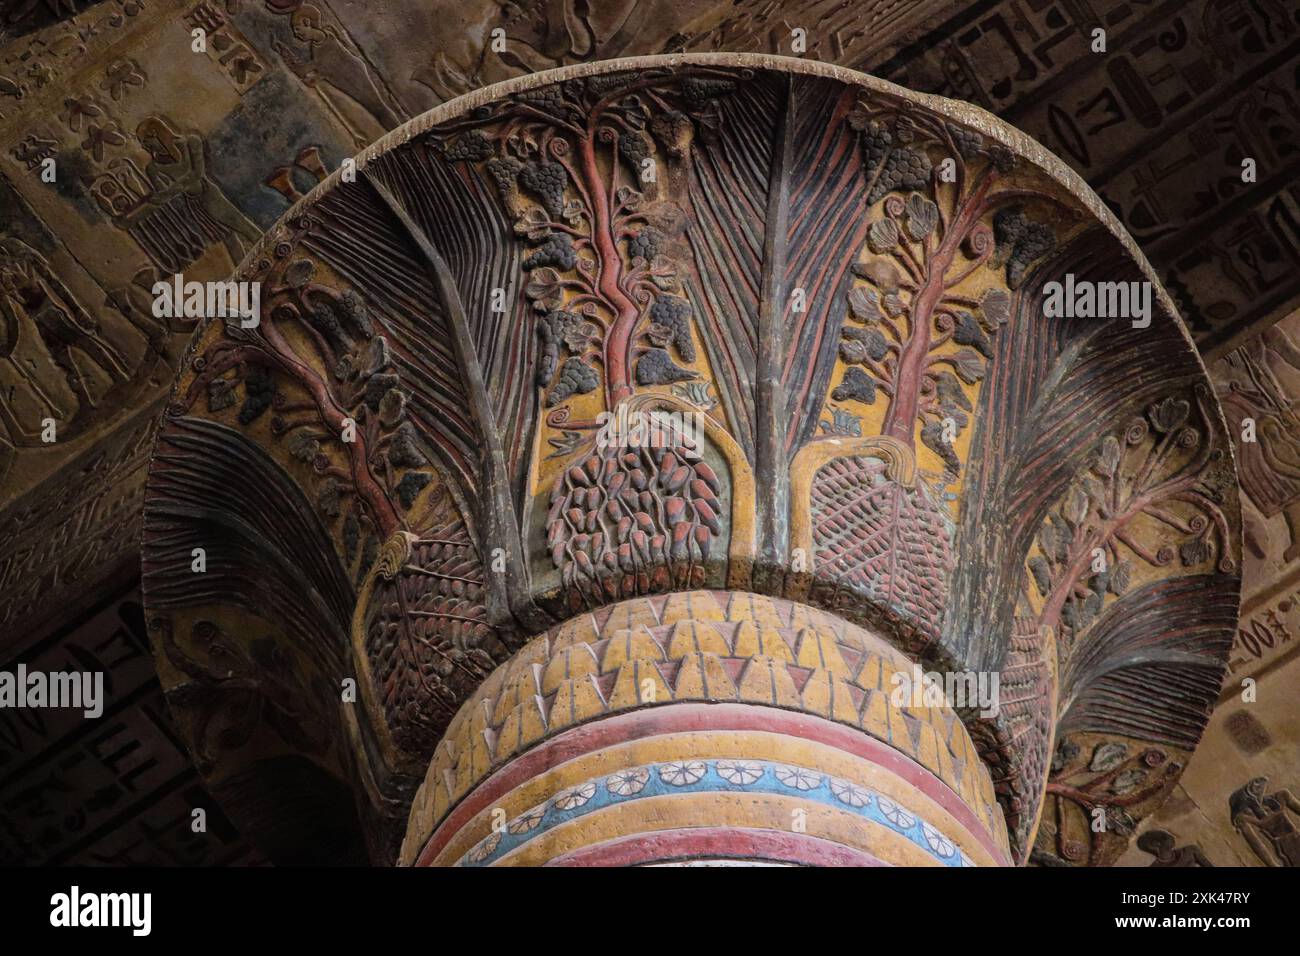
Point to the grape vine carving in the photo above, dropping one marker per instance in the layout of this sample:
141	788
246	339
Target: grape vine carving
334	388
579	166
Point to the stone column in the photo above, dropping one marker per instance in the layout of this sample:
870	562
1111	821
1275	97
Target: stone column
609	442
709	727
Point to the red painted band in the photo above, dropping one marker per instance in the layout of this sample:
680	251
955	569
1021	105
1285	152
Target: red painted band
715	842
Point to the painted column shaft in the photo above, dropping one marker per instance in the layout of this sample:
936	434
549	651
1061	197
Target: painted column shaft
705	727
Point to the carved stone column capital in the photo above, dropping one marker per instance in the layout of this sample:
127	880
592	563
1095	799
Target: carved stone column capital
612	437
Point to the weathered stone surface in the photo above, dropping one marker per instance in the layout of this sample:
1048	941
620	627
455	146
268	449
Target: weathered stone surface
1158	126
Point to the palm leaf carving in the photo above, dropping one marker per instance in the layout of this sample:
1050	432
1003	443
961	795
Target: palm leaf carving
464	220
355	231
777	199
825	192
887	541
728	193
1153	663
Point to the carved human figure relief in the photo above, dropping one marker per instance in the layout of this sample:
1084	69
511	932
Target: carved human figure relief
35	302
